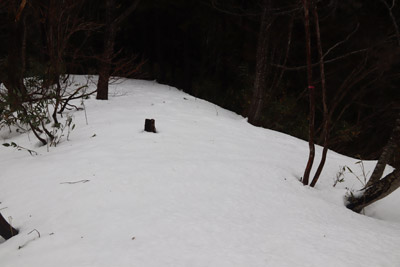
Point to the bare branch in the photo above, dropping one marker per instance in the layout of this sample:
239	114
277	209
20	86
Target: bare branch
20	9
316	64
394	22
341	42
240	12
126	13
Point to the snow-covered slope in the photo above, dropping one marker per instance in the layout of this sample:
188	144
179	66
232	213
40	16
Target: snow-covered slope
208	189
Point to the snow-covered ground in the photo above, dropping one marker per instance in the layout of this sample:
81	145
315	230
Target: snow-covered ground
208	189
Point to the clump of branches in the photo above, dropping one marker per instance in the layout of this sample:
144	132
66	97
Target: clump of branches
35	102
123	66
42	107
19	148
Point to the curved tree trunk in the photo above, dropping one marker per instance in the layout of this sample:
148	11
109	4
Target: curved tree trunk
387	154
375	192
378	188
326	118
6	230
311	92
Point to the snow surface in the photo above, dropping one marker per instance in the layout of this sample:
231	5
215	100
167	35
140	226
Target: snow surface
208	189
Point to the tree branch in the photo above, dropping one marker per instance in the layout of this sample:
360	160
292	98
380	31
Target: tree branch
126	13
341	42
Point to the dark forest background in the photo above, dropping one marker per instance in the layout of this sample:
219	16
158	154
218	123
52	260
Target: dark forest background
248	56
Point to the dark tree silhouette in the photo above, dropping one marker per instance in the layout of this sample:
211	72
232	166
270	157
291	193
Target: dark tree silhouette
311	92
108	55
16	53
270	49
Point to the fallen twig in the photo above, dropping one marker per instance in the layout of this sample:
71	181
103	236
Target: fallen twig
34	230
81	181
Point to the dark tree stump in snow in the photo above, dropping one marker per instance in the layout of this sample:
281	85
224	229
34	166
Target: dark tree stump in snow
6	230
150	125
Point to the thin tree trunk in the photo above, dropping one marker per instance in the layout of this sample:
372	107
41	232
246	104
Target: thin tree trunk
15	75
109	40
105	64
326	119
6	230
259	88
311	91
53	44
281	72
23	46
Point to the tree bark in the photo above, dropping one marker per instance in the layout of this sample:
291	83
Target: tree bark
150	125
16	55
53	33
375	192
386	155
326	118
105	63
109	40
311	92
259	87
377	188
6	230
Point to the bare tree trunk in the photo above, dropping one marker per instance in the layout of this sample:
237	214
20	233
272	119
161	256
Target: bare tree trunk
386	155
377	188
394	139
311	91
109	40
375	192
6	230
105	64
16	55
326	119
53	33
259	88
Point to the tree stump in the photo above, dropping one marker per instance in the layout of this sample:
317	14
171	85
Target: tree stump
150	125
6	230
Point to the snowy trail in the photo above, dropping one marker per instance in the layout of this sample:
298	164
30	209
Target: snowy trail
207	190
